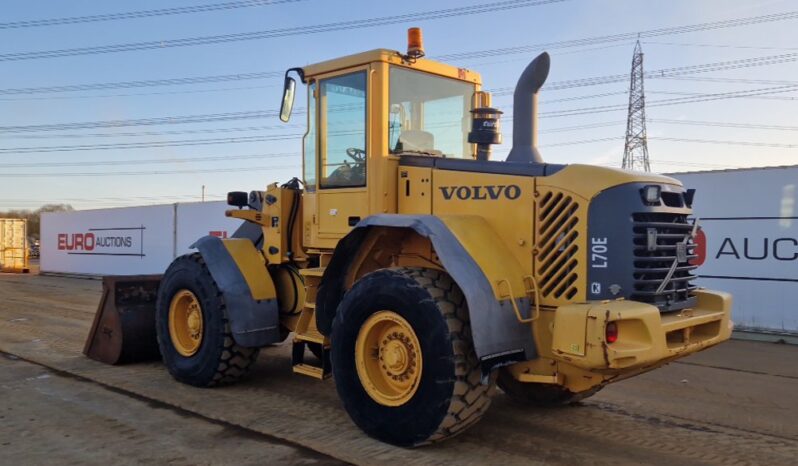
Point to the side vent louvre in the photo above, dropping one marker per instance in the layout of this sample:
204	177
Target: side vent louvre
557	241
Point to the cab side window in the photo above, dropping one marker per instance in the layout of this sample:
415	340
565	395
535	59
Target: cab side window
343	131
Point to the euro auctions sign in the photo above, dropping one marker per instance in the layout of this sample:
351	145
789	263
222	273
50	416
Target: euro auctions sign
128	240
747	248
125	241
748	242
119	241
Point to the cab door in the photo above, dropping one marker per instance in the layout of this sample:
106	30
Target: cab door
343	143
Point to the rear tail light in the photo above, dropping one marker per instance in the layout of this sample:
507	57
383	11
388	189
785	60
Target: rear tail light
611	332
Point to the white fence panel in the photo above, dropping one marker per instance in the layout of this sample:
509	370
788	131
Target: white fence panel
123	241
749	223
198	219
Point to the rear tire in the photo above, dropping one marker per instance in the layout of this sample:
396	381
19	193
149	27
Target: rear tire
218	359
540	394
448	395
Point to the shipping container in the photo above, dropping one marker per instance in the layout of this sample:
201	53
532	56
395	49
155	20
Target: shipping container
13	245
748	243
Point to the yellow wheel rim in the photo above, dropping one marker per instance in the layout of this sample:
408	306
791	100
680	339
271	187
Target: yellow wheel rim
185	322
388	358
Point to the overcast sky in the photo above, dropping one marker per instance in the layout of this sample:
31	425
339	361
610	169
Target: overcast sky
582	124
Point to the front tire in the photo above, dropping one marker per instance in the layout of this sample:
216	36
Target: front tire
194	335
403	360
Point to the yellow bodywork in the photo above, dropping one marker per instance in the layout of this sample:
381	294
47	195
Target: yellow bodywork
250	262
512	238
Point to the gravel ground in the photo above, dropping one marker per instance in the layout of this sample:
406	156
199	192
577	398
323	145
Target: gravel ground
733	404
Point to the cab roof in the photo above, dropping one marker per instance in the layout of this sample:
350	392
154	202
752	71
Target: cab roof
392	57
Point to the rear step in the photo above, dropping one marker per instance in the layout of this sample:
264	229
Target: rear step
307	334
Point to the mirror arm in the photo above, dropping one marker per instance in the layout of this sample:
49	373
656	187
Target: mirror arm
299	71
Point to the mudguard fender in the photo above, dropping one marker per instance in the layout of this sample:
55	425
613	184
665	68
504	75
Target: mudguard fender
499	338
239	271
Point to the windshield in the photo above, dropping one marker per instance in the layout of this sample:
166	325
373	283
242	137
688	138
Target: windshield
429	114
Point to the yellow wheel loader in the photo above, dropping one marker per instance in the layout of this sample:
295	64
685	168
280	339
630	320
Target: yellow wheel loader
420	274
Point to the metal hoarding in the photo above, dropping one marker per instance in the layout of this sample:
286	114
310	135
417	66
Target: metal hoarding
123	241
197	219
128	240
748	243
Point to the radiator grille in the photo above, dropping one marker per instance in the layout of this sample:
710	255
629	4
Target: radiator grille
557	240
656	240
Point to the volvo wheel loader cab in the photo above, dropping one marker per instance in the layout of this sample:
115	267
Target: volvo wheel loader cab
420	274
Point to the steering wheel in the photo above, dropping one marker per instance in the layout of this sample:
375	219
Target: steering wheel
358	155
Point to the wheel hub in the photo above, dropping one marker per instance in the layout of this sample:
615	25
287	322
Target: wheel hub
388	358
185	322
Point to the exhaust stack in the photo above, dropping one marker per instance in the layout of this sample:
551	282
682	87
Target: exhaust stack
525	111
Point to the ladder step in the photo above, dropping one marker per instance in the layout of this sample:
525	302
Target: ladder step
320	371
310	371
310	336
314	272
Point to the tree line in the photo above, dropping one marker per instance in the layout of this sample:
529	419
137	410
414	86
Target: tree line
34	216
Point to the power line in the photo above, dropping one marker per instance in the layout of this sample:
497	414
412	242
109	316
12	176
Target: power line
154	133
734	143
762	97
453	56
147	145
166	120
687	140
717	79
256	114
149	173
725	46
140	14
114	199
137	94
603	124
722	124
143	83
628	36
670	73
231	130
284	32
297	166
191	160
674	101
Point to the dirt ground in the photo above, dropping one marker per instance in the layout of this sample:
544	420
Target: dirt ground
49	417
733	404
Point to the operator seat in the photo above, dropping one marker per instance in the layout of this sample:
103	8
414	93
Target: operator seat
416	140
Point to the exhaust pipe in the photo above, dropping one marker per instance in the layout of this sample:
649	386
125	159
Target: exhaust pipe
525	111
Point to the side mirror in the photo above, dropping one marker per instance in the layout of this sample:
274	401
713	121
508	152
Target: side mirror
289	90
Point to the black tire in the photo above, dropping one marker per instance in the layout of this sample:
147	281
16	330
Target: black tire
219	360
450	396
540	394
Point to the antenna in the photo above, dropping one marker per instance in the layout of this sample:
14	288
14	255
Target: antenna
635	151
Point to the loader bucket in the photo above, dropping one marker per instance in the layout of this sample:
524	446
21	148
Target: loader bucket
124	326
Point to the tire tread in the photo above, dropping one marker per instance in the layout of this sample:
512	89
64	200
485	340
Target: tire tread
235	361
470	398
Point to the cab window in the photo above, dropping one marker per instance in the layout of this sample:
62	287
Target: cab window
429	114
343	131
